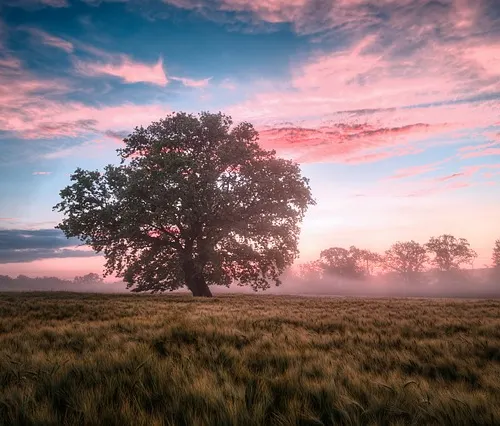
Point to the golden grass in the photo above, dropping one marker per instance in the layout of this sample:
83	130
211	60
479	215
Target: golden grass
80	359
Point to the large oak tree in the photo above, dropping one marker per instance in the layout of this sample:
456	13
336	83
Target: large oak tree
195	202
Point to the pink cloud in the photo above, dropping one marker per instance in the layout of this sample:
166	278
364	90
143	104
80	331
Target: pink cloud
130	71
28	107
416	170
227	84
430	190
449	177
193	83
483	149
476	147
414	18
50	40
10	63
427	187
484	153
42	118
365	85
28	4
273	11
490	175
486	57
126	69
55	3
364	77
351	143
41	173
466	171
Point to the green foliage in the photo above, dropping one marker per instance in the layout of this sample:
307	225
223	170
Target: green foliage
195	201
449	252
407	259
76	359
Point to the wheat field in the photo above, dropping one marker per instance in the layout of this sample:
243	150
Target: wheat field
75	359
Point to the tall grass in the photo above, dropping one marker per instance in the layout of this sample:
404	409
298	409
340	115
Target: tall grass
247	360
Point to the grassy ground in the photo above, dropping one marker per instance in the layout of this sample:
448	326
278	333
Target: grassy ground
247	360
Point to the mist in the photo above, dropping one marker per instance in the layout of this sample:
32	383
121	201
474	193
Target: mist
473	283
470	283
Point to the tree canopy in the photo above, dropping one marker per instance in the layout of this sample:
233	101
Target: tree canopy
194	202
348	263
406	258
449	253
496	255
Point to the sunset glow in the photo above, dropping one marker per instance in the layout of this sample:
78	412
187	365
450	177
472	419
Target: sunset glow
392	108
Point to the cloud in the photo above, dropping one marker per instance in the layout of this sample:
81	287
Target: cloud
483	149
432	92
36	4
126	69
410	70
41	173
416	170
483	153
50	40
129	70
405	72
33	107
227	84
26	245
193	83
10	63
425	186
31	255
449	177
345	142
432	190
23	96
416	18
116	135
366	76
27	109
23	239
453	181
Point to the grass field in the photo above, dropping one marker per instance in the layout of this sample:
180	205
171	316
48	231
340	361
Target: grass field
247	360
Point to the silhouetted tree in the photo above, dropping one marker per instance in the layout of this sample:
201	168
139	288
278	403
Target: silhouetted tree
370	261
408	259
310	270
342	262
495	258
450	253
91	278
496	254
194	202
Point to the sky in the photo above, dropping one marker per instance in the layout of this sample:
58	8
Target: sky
392	108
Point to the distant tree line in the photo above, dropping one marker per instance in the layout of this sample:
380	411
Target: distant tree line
408	260
85	283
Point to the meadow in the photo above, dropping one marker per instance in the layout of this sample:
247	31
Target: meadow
88	359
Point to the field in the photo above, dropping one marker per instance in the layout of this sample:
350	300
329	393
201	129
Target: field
78	359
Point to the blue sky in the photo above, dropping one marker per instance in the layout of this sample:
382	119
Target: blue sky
391	107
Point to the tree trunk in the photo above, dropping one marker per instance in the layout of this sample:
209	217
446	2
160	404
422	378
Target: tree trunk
200	288
195	281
